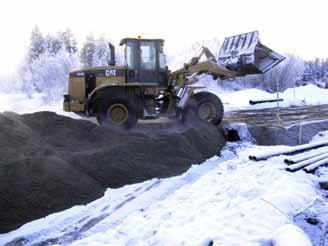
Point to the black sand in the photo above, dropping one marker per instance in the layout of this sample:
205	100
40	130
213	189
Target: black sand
49	163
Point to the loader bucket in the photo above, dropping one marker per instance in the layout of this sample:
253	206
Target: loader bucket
246	55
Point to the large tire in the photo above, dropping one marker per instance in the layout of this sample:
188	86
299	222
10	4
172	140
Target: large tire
203	107
117	113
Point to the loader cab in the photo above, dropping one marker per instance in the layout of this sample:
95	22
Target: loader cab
145	60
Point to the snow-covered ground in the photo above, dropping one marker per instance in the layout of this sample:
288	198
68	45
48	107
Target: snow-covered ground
227	200
23	104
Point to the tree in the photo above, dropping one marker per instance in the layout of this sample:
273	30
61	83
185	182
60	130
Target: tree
286	74
47	66
53	44
62	40
69	41
88	50
37	44
48	74
101	55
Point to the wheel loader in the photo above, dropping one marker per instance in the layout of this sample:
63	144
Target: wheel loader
144	88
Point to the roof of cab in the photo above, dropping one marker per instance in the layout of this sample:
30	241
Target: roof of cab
124	40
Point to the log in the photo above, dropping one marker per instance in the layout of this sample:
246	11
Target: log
313	166
289	151
304	163
253	102
305	156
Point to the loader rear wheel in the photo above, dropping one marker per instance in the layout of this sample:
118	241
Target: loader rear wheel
203	107
117	113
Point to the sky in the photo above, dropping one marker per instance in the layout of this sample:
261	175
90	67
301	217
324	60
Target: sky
287	26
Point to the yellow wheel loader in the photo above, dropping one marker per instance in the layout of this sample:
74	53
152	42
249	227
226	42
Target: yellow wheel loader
144	88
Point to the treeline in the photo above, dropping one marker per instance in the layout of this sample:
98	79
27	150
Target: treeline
94	51
316	70
293	71
51	57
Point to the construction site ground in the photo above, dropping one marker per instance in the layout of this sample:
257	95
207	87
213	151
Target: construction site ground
50	162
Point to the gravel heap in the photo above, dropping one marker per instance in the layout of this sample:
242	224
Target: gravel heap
49	163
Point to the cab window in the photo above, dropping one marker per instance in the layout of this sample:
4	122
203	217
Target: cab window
162	59
131	59
148	55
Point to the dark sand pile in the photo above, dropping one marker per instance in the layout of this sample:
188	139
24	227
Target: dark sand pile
49	163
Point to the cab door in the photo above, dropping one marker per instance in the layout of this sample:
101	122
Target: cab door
148	71
146	62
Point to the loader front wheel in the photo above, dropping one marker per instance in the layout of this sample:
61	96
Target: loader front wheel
203	107
117	113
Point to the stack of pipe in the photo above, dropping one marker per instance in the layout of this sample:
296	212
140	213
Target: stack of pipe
308	161
289	150
305	156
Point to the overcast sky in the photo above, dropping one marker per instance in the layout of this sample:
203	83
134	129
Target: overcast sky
285	25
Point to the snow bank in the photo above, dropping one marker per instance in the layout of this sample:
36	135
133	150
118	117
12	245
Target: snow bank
239	100
290	235
227	202
23	104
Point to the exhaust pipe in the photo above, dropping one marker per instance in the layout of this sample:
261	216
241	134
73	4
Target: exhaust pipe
112	61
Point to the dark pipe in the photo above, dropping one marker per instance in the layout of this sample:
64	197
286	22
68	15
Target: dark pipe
252	102
112	55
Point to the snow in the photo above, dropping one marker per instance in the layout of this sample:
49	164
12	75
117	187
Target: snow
242	130
23	104
227	200
304	96
290	235
239	100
